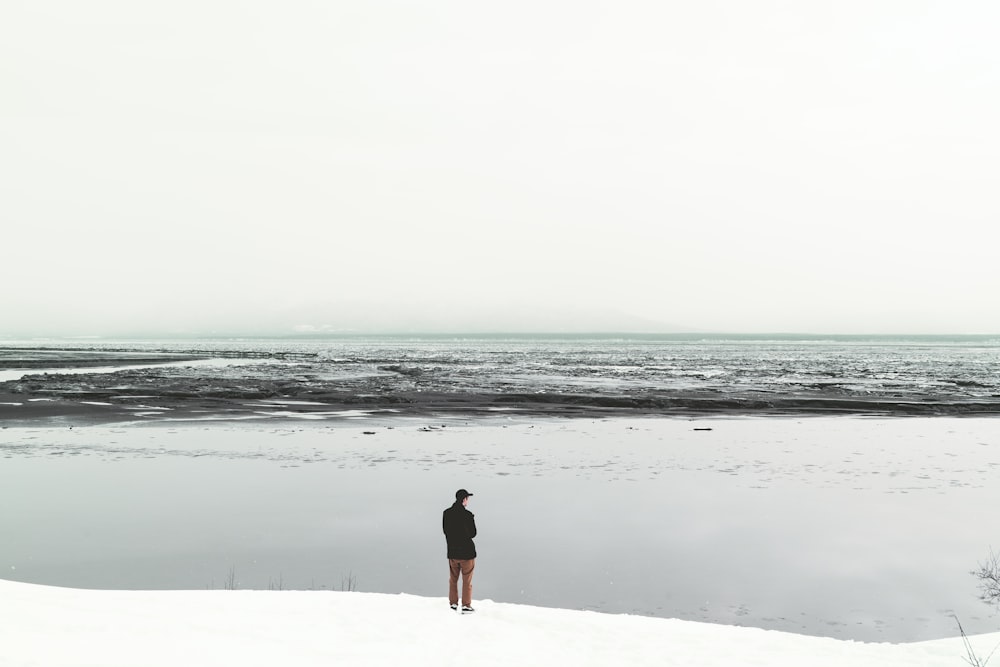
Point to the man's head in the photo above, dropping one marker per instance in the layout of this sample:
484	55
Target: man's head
462	496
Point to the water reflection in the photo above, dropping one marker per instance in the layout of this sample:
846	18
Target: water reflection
840	527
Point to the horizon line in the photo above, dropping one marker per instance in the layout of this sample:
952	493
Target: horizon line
489	333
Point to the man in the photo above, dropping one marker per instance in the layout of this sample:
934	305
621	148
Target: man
459	528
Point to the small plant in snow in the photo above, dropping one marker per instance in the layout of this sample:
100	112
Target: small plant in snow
970	655
349	583
988	574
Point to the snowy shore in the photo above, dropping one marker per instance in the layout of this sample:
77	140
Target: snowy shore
42	625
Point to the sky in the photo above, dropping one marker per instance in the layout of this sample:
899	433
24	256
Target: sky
774	166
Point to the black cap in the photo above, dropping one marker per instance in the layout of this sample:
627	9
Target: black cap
462	494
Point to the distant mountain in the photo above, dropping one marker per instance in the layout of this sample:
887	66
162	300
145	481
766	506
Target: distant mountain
436	317
346	317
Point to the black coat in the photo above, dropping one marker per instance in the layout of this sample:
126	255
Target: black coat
459	526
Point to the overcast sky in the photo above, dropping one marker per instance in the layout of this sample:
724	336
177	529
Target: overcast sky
713	165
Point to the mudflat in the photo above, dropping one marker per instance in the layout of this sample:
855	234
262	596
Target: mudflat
281	380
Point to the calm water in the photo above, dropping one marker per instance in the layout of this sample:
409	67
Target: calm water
847	527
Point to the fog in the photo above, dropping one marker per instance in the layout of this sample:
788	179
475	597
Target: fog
222	166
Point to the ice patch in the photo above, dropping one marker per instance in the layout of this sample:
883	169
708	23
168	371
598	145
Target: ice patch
294	415
343	414
351	413
276	402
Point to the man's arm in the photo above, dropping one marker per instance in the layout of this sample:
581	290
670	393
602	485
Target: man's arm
472	525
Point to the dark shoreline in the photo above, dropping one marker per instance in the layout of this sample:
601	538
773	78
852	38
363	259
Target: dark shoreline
43	408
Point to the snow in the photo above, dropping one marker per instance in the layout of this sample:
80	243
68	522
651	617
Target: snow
41	625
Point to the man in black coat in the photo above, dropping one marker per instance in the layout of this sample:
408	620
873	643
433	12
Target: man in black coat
459	528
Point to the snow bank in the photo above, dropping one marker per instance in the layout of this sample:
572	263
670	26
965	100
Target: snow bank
62	627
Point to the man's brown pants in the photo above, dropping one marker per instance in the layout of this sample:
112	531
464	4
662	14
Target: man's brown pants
465	568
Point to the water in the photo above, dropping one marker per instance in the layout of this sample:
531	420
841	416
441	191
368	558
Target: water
859	526
848	527
654	374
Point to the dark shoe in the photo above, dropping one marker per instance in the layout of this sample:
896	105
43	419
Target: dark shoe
466	609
